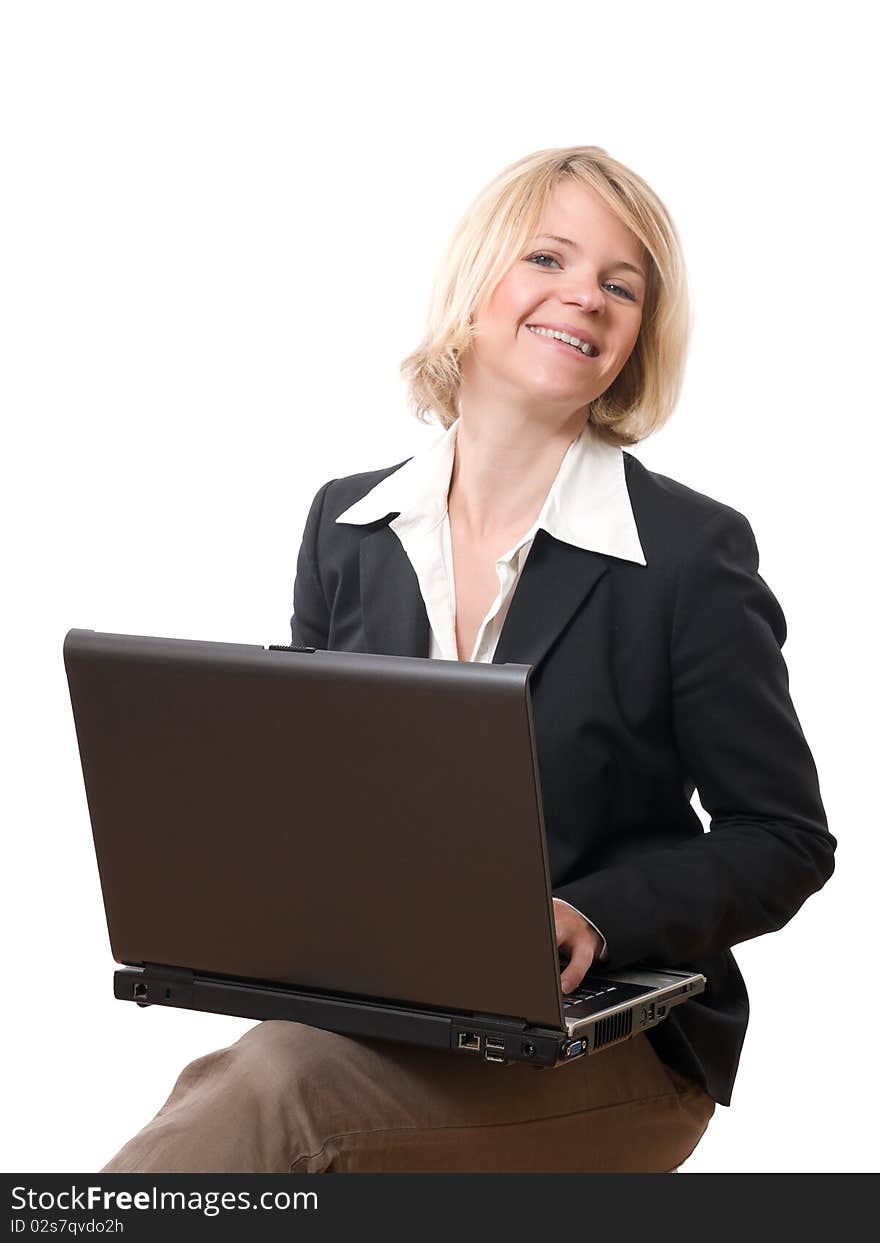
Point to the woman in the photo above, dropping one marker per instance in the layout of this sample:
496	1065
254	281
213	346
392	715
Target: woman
557	335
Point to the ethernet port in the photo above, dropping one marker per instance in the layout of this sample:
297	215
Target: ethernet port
469	1040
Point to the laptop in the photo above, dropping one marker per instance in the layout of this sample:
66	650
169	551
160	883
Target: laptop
337	839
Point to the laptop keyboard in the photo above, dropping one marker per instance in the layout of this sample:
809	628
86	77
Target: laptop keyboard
585	992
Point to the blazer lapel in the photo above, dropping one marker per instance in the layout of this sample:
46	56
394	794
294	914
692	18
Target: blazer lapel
555	581
395	620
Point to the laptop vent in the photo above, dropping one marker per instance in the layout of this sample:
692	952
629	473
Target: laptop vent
615	1027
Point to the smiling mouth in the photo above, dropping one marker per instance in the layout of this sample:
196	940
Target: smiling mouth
563	338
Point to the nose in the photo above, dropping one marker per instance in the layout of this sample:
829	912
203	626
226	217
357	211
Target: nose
584	292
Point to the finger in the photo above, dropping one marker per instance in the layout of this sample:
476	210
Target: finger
581	961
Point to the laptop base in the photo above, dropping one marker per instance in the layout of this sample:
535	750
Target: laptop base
496	1040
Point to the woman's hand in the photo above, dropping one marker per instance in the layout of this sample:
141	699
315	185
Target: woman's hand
578	939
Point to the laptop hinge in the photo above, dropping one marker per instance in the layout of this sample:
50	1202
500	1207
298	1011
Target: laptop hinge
511	1025
180	975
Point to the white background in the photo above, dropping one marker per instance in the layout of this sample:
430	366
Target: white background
219	226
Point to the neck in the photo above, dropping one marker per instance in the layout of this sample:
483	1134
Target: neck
505	462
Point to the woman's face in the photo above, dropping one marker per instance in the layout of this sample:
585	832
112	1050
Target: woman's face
584	285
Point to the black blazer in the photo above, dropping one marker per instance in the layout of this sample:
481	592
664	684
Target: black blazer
648	681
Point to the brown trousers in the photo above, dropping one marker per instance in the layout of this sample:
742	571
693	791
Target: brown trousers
287	1098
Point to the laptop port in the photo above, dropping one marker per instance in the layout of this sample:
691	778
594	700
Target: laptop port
496	1046
529	1050
468	1040
493	1057
140	992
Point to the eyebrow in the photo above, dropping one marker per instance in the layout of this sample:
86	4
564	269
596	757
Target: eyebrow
566	241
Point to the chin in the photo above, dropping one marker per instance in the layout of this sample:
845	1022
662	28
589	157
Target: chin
556	395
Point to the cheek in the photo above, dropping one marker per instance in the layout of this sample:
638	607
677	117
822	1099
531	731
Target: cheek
509	303
633	339
627	335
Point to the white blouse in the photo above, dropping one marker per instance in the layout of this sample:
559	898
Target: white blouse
588	505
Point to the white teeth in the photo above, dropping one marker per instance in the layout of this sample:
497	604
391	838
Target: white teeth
583	346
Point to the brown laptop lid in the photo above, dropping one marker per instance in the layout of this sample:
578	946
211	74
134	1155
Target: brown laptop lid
339	821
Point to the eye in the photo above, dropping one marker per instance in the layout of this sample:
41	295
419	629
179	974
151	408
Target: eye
626	293
541	255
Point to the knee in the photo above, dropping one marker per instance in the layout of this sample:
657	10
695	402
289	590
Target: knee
276	1056
296	1079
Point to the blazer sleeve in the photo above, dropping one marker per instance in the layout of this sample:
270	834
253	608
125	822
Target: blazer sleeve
310	623
740	742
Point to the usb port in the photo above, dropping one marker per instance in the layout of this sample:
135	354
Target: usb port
493	1057
497	1046
468	1040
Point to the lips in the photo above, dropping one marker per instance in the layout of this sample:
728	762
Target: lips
581	352
573	331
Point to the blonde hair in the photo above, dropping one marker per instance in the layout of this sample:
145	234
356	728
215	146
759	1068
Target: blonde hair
493	234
